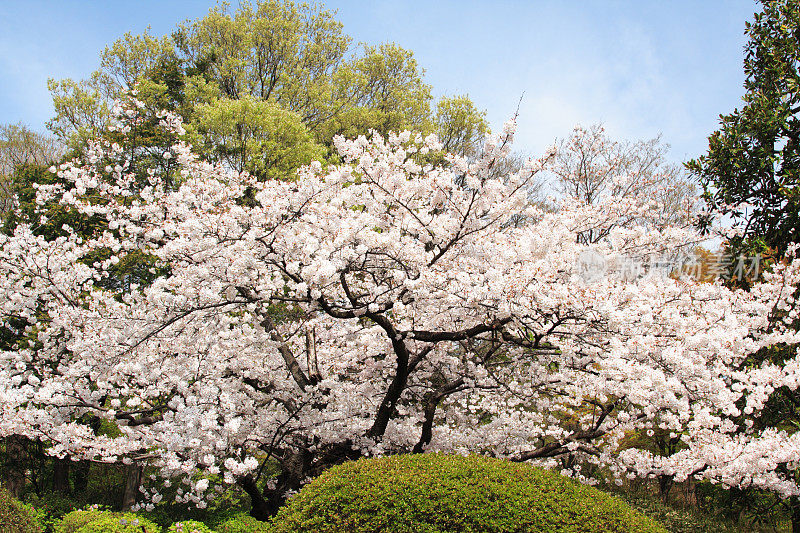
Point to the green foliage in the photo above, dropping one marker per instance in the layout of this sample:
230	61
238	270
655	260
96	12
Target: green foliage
460	125
135	57
82	108
752	168
47	220
438	493
105	485
75	520
257	136
750	509
189	526
17	517
271	50
262	88
381	90
120	523
52	507
678	520
242	523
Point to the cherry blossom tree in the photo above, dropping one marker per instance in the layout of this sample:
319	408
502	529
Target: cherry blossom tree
590	166
380	306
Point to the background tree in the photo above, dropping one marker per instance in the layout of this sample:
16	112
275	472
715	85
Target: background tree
589	167
460	126
82	109
275	58
21	146
257	136
750	172
381	90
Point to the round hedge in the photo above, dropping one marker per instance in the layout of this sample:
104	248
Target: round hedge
73	521
189	526
116	523
17	517
432	493
242	523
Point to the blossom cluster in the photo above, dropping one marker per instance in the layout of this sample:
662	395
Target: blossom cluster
385	304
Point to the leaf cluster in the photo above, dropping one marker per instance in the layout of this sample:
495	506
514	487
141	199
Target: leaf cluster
438	493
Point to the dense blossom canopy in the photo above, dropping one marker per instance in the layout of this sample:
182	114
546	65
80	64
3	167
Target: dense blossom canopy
379	306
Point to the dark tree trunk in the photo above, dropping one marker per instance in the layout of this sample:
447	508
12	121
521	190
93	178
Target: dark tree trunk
664	487
133	477
795	507
432	400
80	475
15	477
61	475
260	508
296	466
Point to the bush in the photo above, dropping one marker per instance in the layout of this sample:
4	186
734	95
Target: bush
52	507
17	517
120	523
679	520
435	493
75	520
243	523
189	526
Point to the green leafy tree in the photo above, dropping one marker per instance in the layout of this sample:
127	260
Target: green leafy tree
752	168
271	51
460	125
289	57
257	136
81	109
382	91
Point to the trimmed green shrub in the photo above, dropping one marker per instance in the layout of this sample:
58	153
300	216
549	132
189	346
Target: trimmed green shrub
436	493
189	526
243	523
17	517
124	523
75	520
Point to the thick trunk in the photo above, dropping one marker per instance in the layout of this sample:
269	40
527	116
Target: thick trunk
133	477
427	425
61	475
664	487
398	384
296	466
795	506
432	400
264	504
260	508
15	477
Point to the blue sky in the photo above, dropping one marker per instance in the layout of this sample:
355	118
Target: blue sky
642	67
